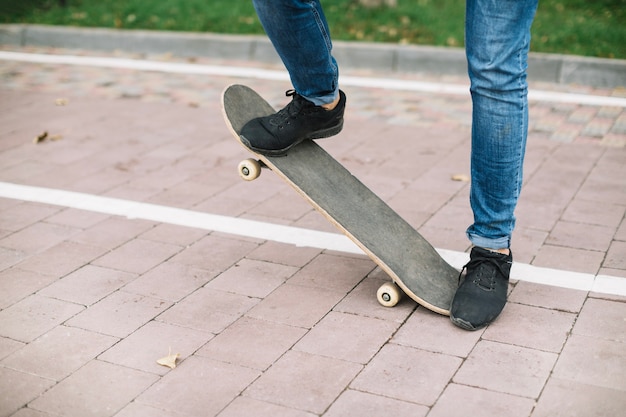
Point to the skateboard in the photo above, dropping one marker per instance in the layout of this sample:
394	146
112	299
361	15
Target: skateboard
393	244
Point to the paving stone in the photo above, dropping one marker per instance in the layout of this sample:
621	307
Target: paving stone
155	340
337	273
208	310
169	281
270	341
252	278
569	259
87	285
407	374
616	256
507	369
112	232
244	406
461	400
547	296
33	316
362	300
575	235
61	259
135	409
347	337
284	254
214	253
304	381
119	314
433	332
602	319
188	389
592	361
97	389
58	353
562	398
138	256
532	327
19	388
17	284
38	237
355	403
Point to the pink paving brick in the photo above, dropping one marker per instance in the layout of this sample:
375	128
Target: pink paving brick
284	254
245	407
155	340
532	327
61	259
208	310
435	333
214	253
460	400
616	256
358	404
199	385
601	319
295	305
304	381
177	235
135	409
569	259
23	215
362	301
575	235
347	337
18	388
169	281
33	316
270	341
97	389
575	362
38	237
337	273
88	284
562	398
252	278
553	298
119	314
60	352
138	256
16	284
407	374
507	369
112	232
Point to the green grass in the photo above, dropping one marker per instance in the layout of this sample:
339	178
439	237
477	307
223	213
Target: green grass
580	27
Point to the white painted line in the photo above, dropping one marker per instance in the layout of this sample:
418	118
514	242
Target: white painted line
258	73
171	215
285	234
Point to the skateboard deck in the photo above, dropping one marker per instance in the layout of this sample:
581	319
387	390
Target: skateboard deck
392	243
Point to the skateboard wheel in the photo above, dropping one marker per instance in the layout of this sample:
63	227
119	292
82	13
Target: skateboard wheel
388	294
249	169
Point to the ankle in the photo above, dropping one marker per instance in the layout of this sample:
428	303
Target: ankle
504	251
331	106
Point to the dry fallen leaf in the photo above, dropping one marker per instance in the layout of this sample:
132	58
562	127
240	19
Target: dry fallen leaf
460	177
55	137
41	137
169	360
61	101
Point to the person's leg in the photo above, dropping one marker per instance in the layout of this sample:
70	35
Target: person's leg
497	43
299	32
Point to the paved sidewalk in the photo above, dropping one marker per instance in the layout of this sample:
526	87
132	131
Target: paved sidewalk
91	300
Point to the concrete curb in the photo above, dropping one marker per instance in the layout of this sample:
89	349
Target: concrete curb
389	58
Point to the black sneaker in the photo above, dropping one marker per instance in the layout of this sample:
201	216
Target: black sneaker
300	120
482	295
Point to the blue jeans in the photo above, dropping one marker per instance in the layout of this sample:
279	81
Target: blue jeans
497	38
